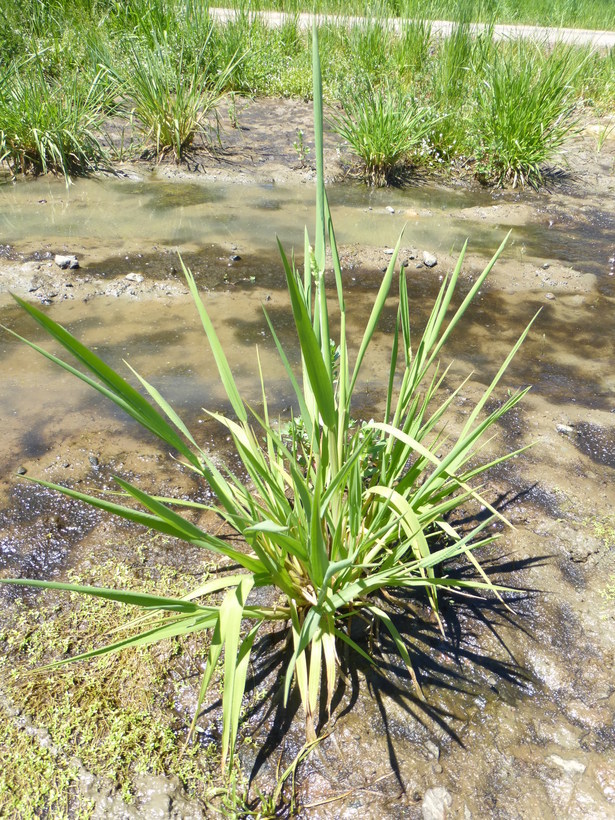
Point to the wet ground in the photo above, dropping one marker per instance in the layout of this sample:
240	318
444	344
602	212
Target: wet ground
519	720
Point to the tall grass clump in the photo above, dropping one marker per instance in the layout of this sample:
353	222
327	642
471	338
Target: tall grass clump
411	48
525	113
336	519
174	99
48	125
383	127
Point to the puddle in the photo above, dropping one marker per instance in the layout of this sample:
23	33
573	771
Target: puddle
176	214
521	706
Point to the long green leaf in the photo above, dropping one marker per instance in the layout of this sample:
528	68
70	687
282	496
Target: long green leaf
377	309
111	385
320	381
224	369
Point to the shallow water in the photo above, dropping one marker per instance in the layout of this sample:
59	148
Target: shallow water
519	720
157	212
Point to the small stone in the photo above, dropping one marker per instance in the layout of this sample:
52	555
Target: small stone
388	251
134	277
436	803
564	429
21	471
549	295
94	461
569	766
235	257
390	210
12	710
429	259
432	749
546	266
66	262
419	265
606	779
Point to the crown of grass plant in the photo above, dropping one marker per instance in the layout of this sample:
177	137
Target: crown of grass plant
336	517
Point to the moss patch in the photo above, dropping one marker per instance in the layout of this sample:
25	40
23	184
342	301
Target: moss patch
115	718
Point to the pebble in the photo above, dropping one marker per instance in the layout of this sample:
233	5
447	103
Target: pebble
549	295
135	277
389	209
564	429
389	251
66	262
235	257
21	471
436	803
432	749
429	259
94	461
569	766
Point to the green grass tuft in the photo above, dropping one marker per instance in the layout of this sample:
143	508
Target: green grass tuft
47	125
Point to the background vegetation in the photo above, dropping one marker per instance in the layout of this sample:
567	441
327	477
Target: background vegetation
74	75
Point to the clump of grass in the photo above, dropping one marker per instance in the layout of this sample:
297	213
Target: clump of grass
383	128
526	113
337	519
174	99
50	125
411	49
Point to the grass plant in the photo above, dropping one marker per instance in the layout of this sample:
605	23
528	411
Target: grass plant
46	125
411	50
382	127
336	519
174	99
526	113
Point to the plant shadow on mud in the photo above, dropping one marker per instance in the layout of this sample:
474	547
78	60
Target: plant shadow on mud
455	667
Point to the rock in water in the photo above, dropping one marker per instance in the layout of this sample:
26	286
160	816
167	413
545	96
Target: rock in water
429	259
66	262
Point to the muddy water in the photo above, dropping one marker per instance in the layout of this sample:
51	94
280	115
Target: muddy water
519	718
176	214
103	218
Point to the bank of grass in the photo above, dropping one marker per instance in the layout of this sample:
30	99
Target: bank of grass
166	68
114	718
